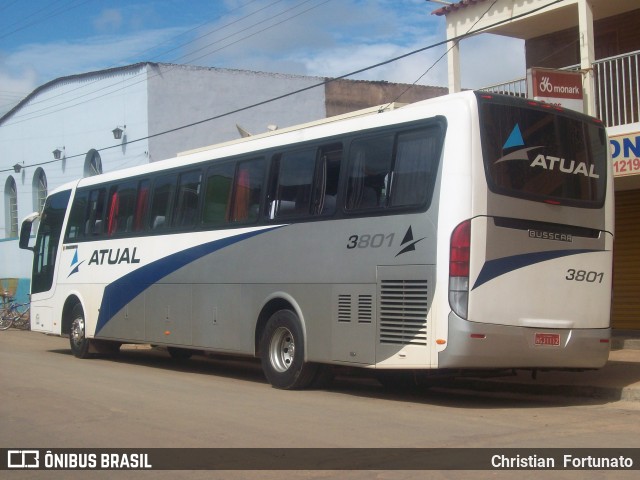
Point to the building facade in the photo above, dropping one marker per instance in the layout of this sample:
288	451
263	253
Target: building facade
66	129
601	39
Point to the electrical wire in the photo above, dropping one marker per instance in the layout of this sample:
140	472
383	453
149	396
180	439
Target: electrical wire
131	59
31	115
310	87
453	45
49	16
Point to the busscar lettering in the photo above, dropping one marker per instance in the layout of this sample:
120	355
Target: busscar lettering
560	237
114	256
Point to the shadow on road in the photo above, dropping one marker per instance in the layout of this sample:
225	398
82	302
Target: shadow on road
354	382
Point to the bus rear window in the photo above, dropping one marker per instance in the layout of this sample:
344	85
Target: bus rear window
543	155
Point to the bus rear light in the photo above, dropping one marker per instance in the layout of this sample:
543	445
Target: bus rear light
460	249
459	257
480	336
604	340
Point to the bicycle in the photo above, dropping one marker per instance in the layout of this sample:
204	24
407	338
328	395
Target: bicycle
13	314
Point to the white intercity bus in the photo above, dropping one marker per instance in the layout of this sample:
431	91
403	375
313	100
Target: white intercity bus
471	231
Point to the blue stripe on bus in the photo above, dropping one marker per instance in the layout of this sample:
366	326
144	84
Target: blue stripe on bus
495	268
125	289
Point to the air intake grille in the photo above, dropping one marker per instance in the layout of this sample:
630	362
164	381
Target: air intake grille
404	305
365	308
344	308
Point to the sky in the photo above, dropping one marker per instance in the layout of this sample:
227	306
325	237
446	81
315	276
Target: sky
41	40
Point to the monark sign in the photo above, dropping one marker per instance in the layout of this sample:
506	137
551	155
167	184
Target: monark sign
557	87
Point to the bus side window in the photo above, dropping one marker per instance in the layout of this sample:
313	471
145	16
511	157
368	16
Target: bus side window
142	205
121	208
112	218
369	172
327	179
187	201
77	218
247	190
162	201
95	216
416	161
291	185
128	193
217	196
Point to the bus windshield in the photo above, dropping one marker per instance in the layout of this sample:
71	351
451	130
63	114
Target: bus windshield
47	241
542	154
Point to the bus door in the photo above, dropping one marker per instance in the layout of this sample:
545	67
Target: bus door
45	251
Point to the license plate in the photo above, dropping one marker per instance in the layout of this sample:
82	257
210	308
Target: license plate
552	339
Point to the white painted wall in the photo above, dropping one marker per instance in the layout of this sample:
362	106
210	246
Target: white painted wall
77	113
182	94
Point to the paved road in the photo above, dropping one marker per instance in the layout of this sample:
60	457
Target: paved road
142	398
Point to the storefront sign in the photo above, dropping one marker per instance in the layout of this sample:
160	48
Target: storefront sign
557	87
625	153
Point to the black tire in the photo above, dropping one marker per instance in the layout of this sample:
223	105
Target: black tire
77	335
282	353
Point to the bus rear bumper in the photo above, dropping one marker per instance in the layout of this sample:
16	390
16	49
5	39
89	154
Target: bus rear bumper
482	345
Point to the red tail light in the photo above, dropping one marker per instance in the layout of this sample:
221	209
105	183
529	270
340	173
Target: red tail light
459	258
460	248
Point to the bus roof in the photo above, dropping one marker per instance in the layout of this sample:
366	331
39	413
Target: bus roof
357	113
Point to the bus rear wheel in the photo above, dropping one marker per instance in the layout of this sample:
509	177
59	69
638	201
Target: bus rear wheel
282	353
77	335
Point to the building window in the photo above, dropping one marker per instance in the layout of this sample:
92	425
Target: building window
92	164
11	208
39	189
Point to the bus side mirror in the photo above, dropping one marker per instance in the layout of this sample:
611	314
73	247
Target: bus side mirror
25	231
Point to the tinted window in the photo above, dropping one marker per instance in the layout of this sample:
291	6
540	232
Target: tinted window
292	184
94	225
142	206
327	180
163	192
369	168
76	226
543	155
393	170
304	183
47	240
247	191
122	205
217	195
417	156
188	198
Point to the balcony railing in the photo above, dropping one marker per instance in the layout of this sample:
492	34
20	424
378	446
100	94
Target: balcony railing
617	88
517	88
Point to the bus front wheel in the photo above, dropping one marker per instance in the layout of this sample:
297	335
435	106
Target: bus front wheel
282	353
77	335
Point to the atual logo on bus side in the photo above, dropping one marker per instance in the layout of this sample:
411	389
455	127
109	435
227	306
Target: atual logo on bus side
547	162
106	256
